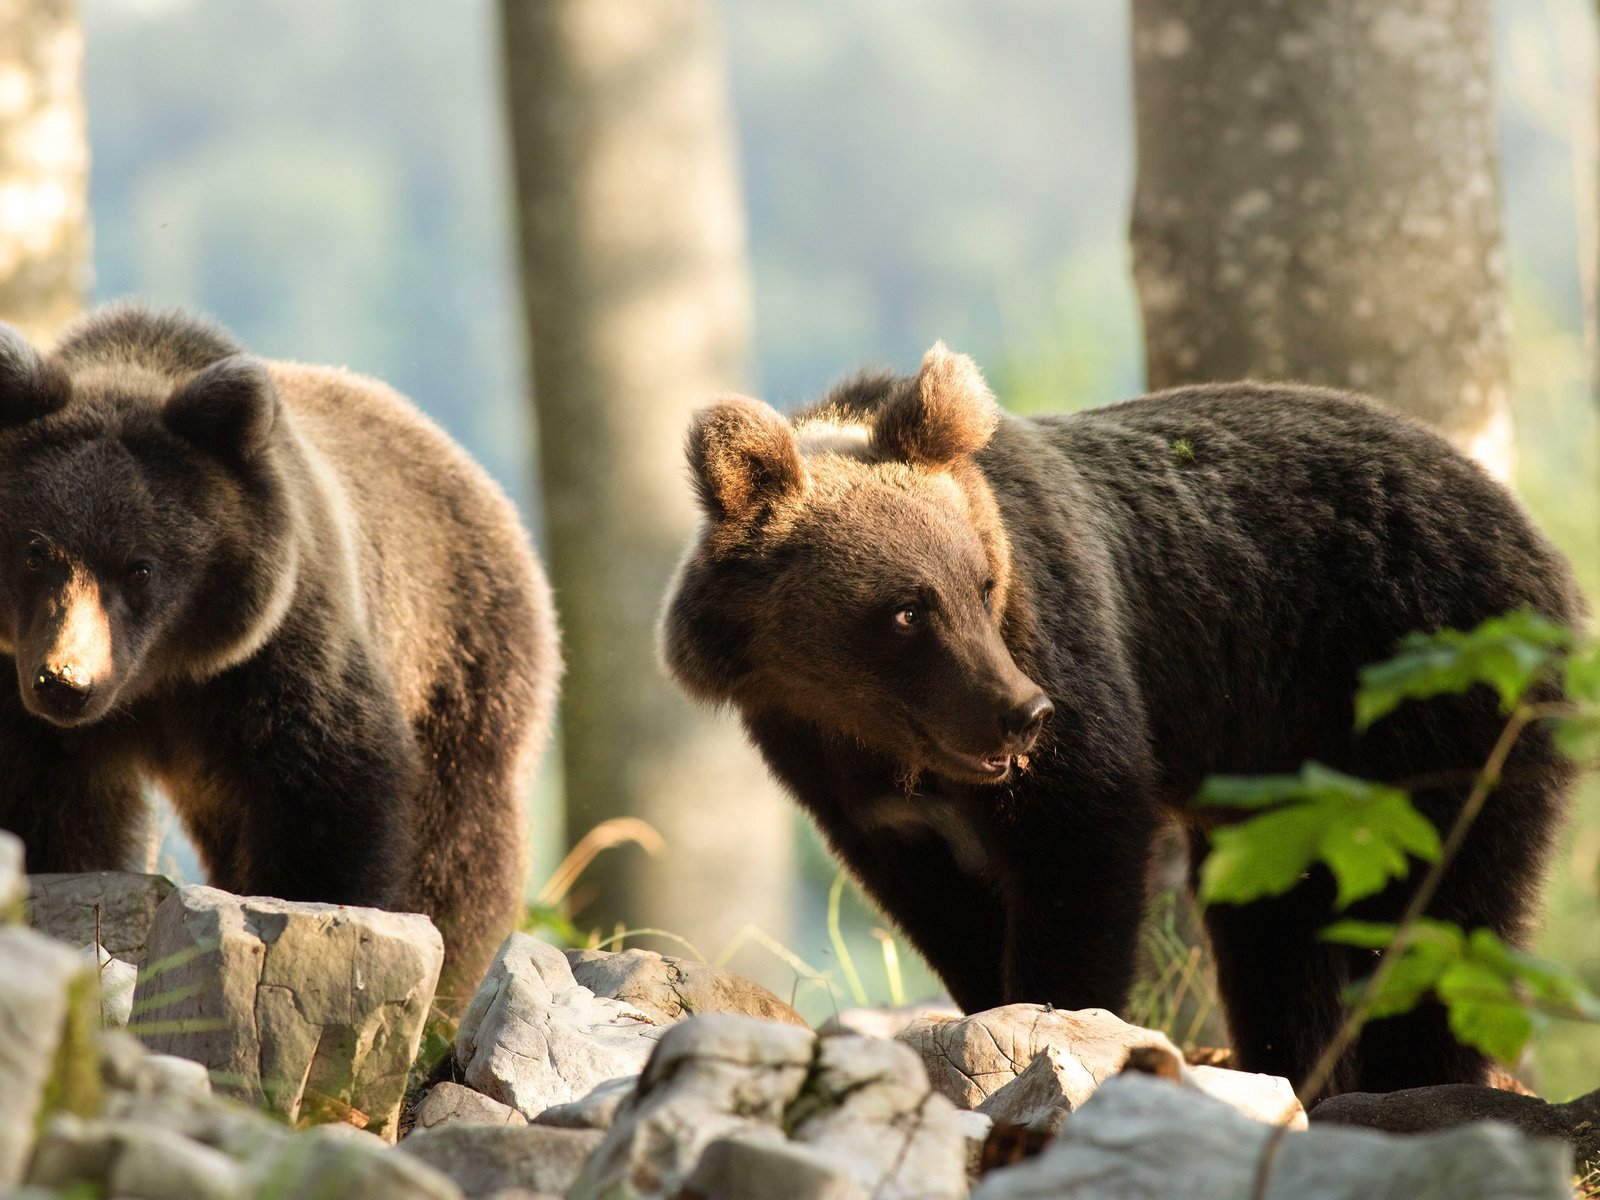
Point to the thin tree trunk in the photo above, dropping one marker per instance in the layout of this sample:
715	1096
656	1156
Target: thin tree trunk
1318	199
638	311
44	165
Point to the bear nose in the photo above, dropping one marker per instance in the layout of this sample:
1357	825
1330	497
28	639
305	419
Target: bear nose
1023	722
58	691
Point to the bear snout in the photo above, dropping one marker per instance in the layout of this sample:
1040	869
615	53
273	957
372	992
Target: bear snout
1023	722
57	694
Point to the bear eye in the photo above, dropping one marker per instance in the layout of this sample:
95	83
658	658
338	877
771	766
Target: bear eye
907	617
33	560
988	596
138	575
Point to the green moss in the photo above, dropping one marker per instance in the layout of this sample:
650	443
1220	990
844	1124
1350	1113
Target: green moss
74	1085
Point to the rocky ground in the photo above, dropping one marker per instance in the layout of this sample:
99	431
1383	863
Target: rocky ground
269	1051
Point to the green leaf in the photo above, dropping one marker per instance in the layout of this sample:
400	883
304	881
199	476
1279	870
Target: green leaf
1364	935
1363	831
1486	986
1507	653
1263	857
1484	1010
1578	736
1581	675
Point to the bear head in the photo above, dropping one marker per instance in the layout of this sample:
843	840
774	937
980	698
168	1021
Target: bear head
852	571
143	523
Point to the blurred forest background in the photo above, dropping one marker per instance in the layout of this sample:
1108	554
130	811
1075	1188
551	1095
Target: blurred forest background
334	181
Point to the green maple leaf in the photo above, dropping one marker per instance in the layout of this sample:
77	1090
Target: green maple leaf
1507	653
1363	831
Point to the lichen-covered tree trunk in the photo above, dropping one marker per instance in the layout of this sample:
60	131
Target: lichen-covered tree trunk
637	300
1318	199
44	165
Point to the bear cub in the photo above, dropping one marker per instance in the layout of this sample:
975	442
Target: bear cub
992	655
285	596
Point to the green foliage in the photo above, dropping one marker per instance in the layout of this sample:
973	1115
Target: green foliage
549	923
1485	985
1363	831
1507	653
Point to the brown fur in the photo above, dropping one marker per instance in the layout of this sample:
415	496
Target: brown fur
912	576
352	664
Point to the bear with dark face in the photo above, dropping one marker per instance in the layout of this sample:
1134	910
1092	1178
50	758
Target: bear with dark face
992	655
281	593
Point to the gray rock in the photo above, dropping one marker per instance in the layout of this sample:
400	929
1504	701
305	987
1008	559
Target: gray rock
485	1159
126	1066
710	1077
1040	1098
133	1160
1139	1138
47	998
451	1102
1268	1098
1423	1110
13	883
971	1058
670	989
117	979
326	1162
884	1022
868	1106
312	1010
743	1167
534	1037
861	1108
597	1110
64	905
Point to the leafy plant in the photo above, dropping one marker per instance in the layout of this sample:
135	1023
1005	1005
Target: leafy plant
1366	835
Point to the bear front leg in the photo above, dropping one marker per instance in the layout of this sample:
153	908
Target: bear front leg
72	797
923	870
307	782
1075	887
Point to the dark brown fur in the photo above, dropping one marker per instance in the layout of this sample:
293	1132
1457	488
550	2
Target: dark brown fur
1186	614
342	664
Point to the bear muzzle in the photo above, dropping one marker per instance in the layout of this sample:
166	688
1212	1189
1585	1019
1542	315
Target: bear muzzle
57	695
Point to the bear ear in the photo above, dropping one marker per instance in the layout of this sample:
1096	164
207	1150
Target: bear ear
30	386
744	459
228	409
949	413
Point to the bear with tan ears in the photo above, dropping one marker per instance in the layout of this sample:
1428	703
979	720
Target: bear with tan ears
993	655
283	594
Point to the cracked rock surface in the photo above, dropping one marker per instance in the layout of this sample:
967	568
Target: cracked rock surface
851	1108
448	1103
1027	1064
63	906
670	989
1140	1138
533	1037
1056	1082
971	1058
313	1010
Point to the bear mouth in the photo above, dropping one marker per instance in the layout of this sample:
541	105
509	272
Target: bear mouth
974	768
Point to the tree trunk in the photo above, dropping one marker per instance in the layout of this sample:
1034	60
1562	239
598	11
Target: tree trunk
638	311
1318	199
44	166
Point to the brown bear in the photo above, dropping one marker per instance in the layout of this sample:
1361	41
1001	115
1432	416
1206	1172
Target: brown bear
992	654
283	594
